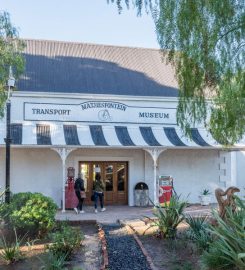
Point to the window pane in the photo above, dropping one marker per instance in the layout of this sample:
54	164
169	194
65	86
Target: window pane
109	177
84	170
96	170
121	177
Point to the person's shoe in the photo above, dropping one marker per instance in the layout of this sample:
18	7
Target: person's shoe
82	212
103	209
96	211
75	209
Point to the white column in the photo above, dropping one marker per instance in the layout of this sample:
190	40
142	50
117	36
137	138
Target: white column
156	182
155	153
63	153
227	168
233	168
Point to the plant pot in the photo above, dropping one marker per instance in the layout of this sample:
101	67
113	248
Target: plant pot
205	199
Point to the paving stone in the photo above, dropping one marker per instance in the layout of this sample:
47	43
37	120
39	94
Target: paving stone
123	213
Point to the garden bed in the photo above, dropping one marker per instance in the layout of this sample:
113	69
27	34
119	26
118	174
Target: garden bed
171	254
88	256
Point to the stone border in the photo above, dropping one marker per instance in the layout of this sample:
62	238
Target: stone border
77	222
102	238
146	254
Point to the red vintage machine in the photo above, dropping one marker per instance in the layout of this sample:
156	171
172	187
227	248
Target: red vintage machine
165	189
70	196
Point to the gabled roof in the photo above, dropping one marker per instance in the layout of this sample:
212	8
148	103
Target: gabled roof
65	67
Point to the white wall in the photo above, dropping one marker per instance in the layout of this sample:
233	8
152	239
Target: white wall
192	171
34	170
40	170
240	174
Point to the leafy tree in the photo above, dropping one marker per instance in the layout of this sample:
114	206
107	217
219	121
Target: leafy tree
10	54
205	41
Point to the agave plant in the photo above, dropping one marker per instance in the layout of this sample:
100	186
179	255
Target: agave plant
198	231
53	262
227	251
11	252
169	217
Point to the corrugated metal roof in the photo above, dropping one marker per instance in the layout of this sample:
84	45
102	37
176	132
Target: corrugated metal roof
53	66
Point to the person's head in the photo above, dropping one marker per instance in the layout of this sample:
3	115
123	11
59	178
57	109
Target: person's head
80	175
97	176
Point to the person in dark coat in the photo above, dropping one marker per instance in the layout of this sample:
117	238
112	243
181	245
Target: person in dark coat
78	187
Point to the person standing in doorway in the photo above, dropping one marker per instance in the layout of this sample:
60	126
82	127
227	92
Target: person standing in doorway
80	193
99	188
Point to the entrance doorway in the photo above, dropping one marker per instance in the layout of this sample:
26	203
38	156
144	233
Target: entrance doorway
115	176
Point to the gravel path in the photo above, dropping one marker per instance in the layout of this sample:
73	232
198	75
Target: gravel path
123	252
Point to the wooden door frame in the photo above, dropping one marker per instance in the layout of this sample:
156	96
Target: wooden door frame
102	164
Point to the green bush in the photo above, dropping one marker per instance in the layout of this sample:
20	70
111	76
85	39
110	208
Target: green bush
32	212
169	217
227	251
66	241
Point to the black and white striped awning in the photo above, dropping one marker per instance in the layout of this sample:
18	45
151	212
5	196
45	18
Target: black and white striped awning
104	135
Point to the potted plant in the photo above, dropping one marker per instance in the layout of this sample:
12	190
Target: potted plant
205	197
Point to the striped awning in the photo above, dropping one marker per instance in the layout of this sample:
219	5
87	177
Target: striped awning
60	134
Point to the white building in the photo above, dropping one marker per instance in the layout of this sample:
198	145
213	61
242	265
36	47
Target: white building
86	106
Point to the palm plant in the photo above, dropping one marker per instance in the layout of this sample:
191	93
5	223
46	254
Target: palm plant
169	217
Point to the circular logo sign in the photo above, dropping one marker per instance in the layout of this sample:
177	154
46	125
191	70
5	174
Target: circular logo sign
104	115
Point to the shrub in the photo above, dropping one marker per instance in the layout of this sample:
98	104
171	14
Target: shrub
169	217
66	241
31	212
198	231
226	252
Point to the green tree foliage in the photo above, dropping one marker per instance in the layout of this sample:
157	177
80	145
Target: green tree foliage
205	42
10	54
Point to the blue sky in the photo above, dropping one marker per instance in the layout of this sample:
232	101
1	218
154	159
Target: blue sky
92	21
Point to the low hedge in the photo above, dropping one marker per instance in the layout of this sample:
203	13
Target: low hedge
30	212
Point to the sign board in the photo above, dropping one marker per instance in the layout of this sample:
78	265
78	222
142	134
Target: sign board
99	111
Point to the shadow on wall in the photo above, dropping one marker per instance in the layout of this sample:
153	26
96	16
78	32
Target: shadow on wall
87	75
